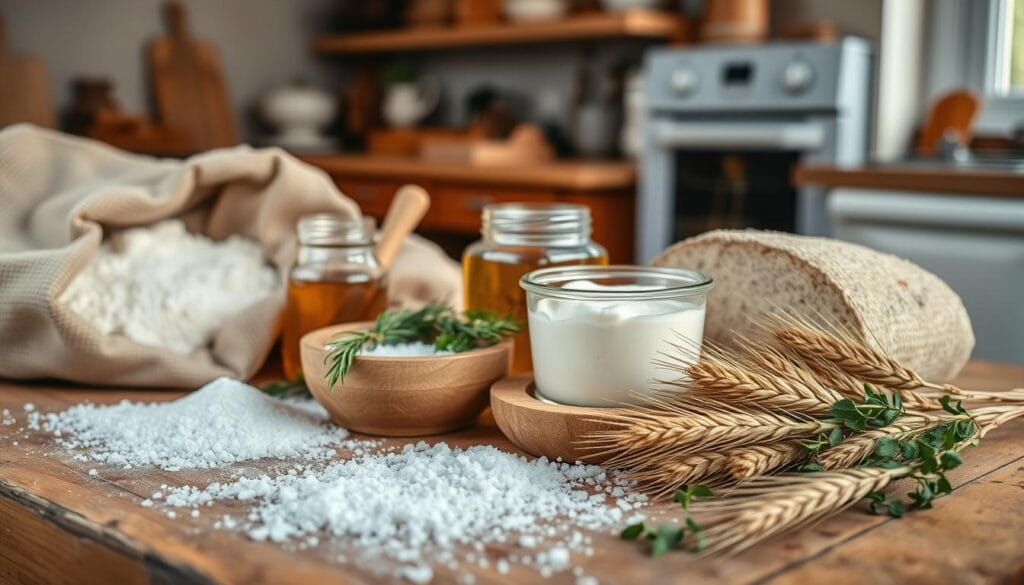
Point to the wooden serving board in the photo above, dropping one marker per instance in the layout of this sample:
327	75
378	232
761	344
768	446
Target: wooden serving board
58	524
24	88
188	84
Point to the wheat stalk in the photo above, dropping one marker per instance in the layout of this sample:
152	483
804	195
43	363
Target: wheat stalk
765	506
866	364
731	382
754	460
665	476
859	447
669	428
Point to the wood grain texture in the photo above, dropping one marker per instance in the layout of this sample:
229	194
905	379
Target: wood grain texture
404	396
936	178
543	428
642	24
973	536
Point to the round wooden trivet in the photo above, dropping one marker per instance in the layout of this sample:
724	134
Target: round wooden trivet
544	428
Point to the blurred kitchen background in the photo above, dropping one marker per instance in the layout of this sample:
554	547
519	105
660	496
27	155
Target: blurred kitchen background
894	123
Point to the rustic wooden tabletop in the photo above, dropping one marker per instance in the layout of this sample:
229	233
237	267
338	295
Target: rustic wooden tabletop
58	524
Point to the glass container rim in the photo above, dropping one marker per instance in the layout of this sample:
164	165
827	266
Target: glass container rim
539	281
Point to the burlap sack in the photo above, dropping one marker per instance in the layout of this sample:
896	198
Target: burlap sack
60	194
892	304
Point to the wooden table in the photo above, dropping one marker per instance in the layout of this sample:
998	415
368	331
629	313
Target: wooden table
58	524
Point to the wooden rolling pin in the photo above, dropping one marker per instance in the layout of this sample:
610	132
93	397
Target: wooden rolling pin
404	214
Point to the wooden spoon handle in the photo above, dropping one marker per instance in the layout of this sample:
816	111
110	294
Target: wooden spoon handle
405	213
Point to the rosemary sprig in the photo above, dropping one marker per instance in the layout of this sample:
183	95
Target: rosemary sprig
437	324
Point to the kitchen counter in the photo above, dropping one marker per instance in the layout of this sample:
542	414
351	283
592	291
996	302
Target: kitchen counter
917	176
59	524
573	175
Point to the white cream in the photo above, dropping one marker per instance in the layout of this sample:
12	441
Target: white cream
602	352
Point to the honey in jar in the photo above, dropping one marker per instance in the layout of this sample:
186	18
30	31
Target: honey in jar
516	239
336	279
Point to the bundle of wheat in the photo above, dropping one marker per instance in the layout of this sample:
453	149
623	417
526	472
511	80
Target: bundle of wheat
801	396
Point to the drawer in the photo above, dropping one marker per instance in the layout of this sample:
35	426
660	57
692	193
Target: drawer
459	208
372	197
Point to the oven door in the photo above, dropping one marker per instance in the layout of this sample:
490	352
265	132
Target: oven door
700	175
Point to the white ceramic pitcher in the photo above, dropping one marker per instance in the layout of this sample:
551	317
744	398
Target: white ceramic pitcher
407	103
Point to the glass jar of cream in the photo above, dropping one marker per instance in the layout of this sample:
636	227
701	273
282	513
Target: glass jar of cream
596	332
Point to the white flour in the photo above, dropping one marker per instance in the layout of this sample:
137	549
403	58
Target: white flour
221	423
164	287
414	505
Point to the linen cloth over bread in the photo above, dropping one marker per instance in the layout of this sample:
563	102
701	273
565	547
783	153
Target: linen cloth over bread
60	196
892	304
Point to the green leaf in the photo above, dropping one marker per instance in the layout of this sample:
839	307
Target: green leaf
887	447
835	437
633	531
951	460
845	409
666	539
698	533
810	468
700	491
682	497
895	508
910	450
943	486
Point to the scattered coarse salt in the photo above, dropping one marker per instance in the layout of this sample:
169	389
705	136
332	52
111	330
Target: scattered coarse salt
224	422
411	349
29	407
415	505
164	287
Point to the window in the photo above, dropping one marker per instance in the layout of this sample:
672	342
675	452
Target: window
979	44
1006	54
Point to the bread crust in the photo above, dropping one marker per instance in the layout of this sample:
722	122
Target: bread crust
891	303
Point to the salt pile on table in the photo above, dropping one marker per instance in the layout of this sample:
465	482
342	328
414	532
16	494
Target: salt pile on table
224	422
414	505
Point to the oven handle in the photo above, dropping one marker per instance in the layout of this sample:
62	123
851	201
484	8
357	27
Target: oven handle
747	135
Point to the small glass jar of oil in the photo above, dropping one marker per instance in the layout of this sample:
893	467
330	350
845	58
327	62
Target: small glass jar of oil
336	279
518	238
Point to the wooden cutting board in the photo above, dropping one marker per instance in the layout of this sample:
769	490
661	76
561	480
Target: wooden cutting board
24	89
188	84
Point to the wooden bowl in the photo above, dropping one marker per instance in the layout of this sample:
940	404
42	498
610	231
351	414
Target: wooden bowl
404	396
544	428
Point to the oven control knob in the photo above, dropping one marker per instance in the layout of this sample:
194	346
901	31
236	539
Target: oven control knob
797	77
683	81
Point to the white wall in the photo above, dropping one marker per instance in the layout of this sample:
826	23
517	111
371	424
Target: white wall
262	43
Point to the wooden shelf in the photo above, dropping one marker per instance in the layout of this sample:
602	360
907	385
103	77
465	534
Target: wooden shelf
642	24
569	175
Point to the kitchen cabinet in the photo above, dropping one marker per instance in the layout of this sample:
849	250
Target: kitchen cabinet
460	192
965	225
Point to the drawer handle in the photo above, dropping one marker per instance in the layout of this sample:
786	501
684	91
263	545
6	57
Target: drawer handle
477	203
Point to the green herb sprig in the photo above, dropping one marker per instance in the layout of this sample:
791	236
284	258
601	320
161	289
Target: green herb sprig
434	323
666	536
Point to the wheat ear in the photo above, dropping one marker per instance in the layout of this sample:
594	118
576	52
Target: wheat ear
734	383
666	476
690	424
754	460
768	505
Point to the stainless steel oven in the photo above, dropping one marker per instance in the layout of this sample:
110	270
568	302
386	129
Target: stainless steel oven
727	124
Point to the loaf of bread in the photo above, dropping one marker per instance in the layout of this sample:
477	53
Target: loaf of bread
894	305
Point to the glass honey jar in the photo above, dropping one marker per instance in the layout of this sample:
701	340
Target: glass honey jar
336	279
518	238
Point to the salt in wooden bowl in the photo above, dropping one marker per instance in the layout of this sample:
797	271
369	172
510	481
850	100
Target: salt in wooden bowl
404	396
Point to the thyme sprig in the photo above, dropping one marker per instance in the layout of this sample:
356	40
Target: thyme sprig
666	536
434	323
